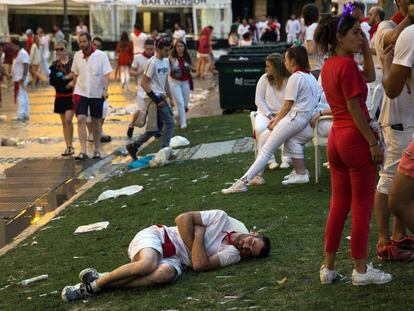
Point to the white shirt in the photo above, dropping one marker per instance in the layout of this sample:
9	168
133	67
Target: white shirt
268	99
80	29
261	26
44	43
35	57
310	31
217	223
157	71
90	73
243	42
18	65
292	27
140	62
138	42
365	28
242	30
399	109
179	35
304	90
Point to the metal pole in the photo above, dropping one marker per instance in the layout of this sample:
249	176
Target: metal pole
66	25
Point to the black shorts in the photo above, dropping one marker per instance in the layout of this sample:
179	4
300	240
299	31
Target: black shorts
62	104
95	106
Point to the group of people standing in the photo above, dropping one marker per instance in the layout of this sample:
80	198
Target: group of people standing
345	56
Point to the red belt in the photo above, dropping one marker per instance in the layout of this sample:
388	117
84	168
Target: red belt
168	247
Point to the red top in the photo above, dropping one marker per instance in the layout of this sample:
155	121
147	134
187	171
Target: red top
29	42
125	55
185	76
342	80
204	44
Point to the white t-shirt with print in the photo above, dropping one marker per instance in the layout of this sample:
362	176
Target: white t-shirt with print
404	54
217	223
18	65
90	73
268	99
304	90
157	71
138	42
140	62
399	109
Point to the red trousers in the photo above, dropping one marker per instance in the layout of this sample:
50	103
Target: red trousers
353	178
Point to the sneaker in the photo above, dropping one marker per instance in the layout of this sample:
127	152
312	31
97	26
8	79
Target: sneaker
284	165
130	132
295	178
372	276
327	276
391	252
273	166
88	275
407	243
132	150
75	292
238	186
257	181
183	126
293	172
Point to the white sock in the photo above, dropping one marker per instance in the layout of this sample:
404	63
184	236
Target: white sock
95	287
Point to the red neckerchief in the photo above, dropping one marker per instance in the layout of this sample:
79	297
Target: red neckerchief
301	69
373	30
397	18
364	19
228	237
86	55
137	32
146	55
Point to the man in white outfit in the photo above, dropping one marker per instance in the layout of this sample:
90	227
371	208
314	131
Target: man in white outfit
138	39
204	241
20	76
45	51
292	29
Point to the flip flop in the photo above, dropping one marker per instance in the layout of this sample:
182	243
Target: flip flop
82	156
96	155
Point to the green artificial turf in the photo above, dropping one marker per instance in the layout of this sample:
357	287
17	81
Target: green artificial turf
293	217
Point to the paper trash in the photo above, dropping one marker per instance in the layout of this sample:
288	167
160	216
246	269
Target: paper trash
98	226
179	141
130	190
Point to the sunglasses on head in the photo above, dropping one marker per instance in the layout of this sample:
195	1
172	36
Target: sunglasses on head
59	49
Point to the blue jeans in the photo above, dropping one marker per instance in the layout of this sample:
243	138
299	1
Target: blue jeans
166	126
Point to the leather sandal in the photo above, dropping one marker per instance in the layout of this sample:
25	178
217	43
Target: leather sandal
82	156
96	155
69	151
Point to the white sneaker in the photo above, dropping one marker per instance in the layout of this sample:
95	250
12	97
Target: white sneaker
293	172
183	126
295	178
257	181
327	276
273	166
284	165
372	276
238	186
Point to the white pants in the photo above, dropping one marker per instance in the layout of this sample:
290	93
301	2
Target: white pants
181	93
324	127
290	38
287	128
260	125
124	72
45	66
23	109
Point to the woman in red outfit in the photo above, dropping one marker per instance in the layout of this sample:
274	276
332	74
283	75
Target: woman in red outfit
203	54
124	50
353	148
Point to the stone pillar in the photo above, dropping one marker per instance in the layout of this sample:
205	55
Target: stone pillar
260	8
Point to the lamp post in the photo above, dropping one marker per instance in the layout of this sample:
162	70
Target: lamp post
66	25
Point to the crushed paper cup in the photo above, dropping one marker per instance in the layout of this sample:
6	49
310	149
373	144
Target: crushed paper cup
179	141
98	226
130	190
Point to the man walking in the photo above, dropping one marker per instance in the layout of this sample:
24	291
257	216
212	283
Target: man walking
92	70
155	84
204	240
20	76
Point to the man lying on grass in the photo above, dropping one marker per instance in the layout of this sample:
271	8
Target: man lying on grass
204	240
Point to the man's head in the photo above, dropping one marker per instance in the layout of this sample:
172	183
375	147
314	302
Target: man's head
137	26
85	41
97	43
293	17
252	245
149	47
16	44
375	15
56	28
163	47
359	10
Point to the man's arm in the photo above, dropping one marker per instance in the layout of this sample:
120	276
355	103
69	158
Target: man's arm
25	72
185	224
200	260
391	36
106	79
394	76
145	83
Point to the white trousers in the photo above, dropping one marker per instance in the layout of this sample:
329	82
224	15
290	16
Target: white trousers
287	128
260	126
290	38
124	72
181	93
23	108
45	66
